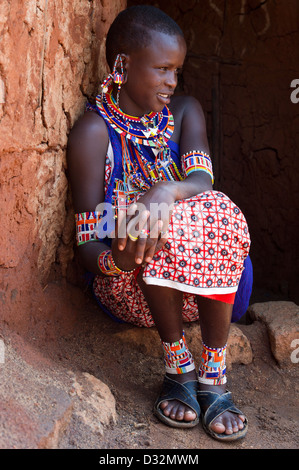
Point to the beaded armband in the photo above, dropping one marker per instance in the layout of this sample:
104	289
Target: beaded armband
107	266
197	161
86	226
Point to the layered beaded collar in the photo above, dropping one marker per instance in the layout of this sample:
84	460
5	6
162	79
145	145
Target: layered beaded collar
153	129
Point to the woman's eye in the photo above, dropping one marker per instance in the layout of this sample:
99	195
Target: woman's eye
165	69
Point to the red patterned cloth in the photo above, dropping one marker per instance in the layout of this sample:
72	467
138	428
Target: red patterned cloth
204	255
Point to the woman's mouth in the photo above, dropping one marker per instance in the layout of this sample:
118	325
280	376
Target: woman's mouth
164	97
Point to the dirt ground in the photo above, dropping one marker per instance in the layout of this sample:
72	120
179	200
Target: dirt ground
266	393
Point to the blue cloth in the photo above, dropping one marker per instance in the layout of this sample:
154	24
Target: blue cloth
243	294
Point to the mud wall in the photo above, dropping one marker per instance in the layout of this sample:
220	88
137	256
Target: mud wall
51	58
242	58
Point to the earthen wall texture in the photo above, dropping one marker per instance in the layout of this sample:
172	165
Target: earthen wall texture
242	57
52	56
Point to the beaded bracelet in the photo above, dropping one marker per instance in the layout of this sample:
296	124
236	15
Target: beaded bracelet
107	265
197	160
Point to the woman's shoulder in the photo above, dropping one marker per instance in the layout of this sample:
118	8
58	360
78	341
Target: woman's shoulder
89	126
88	141
181	104
187	112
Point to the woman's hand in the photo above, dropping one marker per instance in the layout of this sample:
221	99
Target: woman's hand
142	230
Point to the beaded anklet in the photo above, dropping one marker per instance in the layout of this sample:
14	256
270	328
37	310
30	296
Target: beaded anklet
107	265
197	161
212	368
177	357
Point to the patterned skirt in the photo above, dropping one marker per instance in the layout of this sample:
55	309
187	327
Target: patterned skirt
208	242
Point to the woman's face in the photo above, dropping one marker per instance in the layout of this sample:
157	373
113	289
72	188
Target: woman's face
152	74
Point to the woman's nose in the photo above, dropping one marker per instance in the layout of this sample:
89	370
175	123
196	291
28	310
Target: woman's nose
171	79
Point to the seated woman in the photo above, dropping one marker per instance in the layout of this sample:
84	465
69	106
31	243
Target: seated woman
179	248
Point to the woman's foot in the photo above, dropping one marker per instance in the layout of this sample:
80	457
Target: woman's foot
175	409
227	423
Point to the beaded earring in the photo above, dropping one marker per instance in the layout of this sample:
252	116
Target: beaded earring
117	76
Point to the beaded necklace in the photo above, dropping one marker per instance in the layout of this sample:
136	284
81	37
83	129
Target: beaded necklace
153	129
140	171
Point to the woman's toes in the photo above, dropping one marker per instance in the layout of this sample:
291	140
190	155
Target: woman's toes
166	407
218	427
163	405
180	413
173	414
242	418
177	411
189	415
241	422
234	425
228	424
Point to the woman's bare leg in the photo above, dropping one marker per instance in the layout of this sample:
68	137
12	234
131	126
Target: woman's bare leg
215	320
166	308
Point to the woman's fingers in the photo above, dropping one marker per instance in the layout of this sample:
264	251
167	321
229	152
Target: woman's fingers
162	240
137	222
121	232
131	231
140	232
153	241
140	249
146	244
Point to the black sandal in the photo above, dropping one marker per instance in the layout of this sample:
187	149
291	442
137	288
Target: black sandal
214	405
185	393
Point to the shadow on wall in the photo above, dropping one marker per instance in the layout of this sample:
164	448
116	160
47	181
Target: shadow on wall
60	60
242	59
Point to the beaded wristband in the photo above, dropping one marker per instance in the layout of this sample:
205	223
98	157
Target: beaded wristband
107	265
197	161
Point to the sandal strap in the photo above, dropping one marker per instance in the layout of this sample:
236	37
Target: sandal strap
185	393
216	405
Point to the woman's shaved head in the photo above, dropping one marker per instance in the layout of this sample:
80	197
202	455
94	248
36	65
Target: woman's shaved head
132	29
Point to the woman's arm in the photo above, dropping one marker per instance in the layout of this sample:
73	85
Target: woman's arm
86	154
193	136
